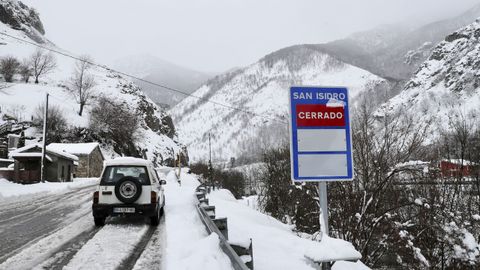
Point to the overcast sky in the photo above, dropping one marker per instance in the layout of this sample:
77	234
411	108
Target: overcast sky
216	35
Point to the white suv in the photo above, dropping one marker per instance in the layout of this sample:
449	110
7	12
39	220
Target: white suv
128	186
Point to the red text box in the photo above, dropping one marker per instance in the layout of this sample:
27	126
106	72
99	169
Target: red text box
318	115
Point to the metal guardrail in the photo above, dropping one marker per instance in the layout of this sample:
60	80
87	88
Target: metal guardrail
220	227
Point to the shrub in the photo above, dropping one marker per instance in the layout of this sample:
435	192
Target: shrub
8	67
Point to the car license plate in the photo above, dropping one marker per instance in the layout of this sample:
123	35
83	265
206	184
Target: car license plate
124	210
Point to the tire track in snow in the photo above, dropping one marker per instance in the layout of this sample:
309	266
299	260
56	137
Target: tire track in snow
28	229
17	210
35	253
67	251
112	245
129	262
154	252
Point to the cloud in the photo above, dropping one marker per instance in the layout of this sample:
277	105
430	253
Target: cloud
215	35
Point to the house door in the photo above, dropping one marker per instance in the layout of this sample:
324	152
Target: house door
69	173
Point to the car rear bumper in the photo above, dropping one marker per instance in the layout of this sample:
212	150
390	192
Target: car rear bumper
104	210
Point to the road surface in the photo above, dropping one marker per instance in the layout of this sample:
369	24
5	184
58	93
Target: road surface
56	231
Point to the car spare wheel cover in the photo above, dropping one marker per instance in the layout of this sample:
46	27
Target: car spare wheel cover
128	189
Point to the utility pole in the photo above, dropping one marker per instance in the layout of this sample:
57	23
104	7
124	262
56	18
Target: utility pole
210	169
45	131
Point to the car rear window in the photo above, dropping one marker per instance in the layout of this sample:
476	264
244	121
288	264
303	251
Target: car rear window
114	173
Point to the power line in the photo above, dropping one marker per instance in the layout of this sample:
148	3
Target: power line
142	80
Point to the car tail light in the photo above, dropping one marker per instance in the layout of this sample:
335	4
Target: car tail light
153	197
95	197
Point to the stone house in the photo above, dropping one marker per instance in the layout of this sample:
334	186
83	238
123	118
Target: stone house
59	166
4	163
90	163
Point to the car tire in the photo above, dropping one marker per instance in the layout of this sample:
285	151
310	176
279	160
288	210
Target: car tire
128	184
155	220
99	221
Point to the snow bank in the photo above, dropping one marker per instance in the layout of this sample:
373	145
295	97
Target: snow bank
188	246
275	245
10	190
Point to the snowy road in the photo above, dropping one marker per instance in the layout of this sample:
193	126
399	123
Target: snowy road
26	221
56	231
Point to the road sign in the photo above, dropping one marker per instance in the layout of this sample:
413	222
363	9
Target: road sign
320	138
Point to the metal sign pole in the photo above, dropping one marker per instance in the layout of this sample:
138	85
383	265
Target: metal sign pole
322	194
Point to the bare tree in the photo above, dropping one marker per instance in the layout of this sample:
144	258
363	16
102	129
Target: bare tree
17	112
42	63
57	123
117	123
25	70
81	83
8	67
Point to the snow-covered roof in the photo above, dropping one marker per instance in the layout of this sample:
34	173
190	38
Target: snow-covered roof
74	148
460	162
25	148
6	160
31	154
127	161
20	152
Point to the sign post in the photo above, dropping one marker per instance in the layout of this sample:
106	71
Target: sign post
320	139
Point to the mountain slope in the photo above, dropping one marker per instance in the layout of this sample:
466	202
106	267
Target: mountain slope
447	85
154	69
19	99
396	51
261	88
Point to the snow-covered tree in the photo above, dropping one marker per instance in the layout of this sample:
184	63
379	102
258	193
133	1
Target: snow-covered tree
57	125
82	82
42	63
115	123
25	71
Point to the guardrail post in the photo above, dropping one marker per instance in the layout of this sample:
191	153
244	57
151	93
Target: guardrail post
210	209
222	225
200	195
250	252
242	251
204	201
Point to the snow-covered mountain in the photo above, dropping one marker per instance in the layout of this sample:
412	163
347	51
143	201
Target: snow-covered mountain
261	88
396	51
447	85
157	70
19	99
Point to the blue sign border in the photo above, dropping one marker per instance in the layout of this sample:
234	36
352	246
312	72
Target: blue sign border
293	133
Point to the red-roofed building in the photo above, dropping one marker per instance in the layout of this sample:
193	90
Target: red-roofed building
456	168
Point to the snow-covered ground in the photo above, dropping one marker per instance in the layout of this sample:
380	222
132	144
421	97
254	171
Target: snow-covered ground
275	246
10	190
188	246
